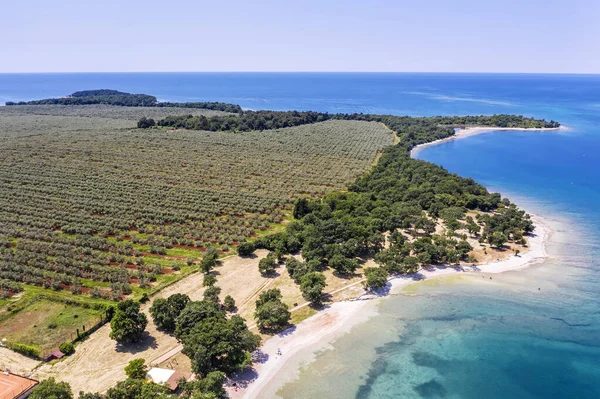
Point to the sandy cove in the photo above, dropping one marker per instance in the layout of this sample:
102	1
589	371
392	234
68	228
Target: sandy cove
472	131
299	344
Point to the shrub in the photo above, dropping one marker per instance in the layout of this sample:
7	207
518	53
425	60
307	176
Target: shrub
145	123
67	348
26	350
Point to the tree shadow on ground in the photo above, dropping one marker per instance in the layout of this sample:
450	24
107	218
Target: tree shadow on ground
382	291
271	274
287	332
258	356
444	266
325	298
147	342
242	379
345	275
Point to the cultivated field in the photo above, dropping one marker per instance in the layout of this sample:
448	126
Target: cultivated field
126	114
93	209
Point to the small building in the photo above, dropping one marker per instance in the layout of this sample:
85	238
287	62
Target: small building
166	377
14	386
57	354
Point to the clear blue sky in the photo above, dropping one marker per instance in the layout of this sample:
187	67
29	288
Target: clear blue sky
281	35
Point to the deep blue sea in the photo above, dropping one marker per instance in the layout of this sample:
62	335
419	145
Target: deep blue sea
534	333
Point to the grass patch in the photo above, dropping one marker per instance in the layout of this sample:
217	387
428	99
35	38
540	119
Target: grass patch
160	260
184	252
45	324
303	314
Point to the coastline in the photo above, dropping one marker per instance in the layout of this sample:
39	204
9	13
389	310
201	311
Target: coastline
300	344
475	130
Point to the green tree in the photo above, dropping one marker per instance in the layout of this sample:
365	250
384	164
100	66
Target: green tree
497	239
396	238
161	314
165	311
271	313
376	277
145	123
50	389
209	260
312	286
211	293
209	387
83	395
343	265
212	341
229	303
245	249
209	280
137	389
296	269
410	265
128	323
463	248
301	208
471	226
136	369
267	265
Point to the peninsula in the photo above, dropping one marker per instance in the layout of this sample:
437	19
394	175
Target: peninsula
137	234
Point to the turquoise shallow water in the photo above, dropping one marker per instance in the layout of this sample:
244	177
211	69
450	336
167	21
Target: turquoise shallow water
470	338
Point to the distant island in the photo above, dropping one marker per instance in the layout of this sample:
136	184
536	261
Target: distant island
114	97
136	232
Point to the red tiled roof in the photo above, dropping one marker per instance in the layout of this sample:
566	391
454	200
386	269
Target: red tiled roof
12	386
172	381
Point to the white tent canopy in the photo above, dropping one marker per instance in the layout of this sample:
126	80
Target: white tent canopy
159	376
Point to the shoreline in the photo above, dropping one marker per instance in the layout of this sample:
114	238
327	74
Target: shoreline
300	344
462	133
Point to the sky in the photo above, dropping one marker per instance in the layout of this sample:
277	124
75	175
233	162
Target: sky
530	36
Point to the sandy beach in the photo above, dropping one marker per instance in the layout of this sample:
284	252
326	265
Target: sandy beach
472	131
300	344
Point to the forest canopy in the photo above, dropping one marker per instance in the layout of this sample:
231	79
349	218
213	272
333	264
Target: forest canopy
118	98
401	195
266	120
